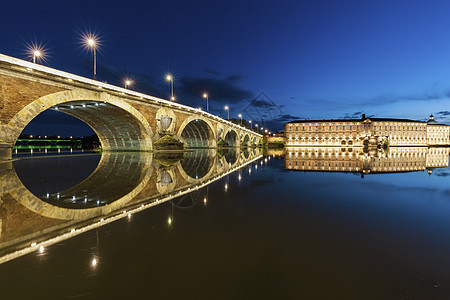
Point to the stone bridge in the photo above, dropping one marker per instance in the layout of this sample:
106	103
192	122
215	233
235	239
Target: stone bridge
124	120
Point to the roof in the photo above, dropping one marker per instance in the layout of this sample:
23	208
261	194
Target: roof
432	121
357	120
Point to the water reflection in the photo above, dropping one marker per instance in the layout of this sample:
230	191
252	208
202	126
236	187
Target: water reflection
395	159
120	185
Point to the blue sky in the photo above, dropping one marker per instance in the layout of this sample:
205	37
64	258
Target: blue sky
311	59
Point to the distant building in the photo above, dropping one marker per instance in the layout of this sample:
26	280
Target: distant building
278	134
366	132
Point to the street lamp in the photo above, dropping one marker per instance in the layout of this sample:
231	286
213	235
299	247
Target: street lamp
36	53
92	43
250	124
127	83
228	110
169	78
256	125
240	116
205	95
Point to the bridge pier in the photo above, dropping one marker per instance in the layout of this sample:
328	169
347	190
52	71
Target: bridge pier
6	151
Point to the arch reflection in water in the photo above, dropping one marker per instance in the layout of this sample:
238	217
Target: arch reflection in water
395	159
121	185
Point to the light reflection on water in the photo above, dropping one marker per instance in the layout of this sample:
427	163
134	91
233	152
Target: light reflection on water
264	231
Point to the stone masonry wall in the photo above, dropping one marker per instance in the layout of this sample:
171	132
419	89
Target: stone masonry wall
16	93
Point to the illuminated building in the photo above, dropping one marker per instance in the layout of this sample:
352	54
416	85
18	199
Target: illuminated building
366	132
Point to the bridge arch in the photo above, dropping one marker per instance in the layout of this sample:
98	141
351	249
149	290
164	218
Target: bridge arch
246	138
118	124
231	137
197	132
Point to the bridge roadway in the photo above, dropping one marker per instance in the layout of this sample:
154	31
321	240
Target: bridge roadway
124	120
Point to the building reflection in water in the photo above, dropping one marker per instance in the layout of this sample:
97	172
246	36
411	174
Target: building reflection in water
122	184
358	160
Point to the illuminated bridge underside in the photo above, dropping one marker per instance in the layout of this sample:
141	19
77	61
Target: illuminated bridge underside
231	138
116	128
197	134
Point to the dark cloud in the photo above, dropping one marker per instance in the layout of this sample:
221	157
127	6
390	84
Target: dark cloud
444	113
286	118
220	90
211	71
292	97
355	115
235	77
442	174
262	103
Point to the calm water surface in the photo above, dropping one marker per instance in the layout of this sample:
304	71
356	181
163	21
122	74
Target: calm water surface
312	224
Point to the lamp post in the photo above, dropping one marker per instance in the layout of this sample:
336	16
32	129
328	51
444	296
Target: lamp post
36	53
91	42
169	78
250	124
256	125
205	95
240	116
127	83
228	110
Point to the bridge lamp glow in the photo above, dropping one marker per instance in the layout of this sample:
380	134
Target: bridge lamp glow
228	110
205	95
94	262
205	201
36	54
240	116
127	83
169	221
169	78
41	249
250	122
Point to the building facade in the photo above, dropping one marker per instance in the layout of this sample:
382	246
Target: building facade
366	132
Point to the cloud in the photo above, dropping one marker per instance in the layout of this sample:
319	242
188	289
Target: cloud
444	113
262	103
286	118
235	77
220	90
211	71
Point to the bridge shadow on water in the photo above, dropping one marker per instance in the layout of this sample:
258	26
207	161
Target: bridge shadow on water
47	199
